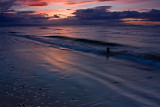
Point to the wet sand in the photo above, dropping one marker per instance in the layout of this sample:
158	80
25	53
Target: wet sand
37	74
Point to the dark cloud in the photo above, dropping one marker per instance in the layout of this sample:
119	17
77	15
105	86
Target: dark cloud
92	13
153	15
5	5
56	16
22	17
8	16
103	13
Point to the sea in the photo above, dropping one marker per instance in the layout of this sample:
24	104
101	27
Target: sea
130	42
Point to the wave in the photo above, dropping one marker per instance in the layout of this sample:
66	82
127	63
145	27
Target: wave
86	40
145	58
98	48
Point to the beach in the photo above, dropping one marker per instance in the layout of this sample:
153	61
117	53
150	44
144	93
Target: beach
68	72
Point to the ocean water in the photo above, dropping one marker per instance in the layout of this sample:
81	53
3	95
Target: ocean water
136	43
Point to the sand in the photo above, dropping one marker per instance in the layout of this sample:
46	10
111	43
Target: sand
35	74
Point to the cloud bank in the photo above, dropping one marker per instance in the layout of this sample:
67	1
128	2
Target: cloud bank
103	13
98	15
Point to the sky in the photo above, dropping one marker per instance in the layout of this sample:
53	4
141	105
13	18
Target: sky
47	10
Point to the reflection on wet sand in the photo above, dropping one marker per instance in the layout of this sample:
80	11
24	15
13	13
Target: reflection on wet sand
59	60
93	75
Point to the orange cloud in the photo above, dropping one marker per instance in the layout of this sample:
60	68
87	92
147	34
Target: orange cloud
84	2
37	2
135	21
33	2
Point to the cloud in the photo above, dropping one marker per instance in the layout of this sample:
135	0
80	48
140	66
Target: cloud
39	3
153	15
17	4
56	16
103	13
22	17
6	4
98	15
89	1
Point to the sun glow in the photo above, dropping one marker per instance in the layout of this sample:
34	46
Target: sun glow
135	21
59	13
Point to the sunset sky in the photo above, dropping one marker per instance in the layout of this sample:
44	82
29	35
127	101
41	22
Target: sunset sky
64	8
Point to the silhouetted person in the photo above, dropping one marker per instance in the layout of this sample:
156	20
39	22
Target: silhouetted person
108	50
107	53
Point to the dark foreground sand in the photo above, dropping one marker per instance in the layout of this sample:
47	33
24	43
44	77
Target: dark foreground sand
34	74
